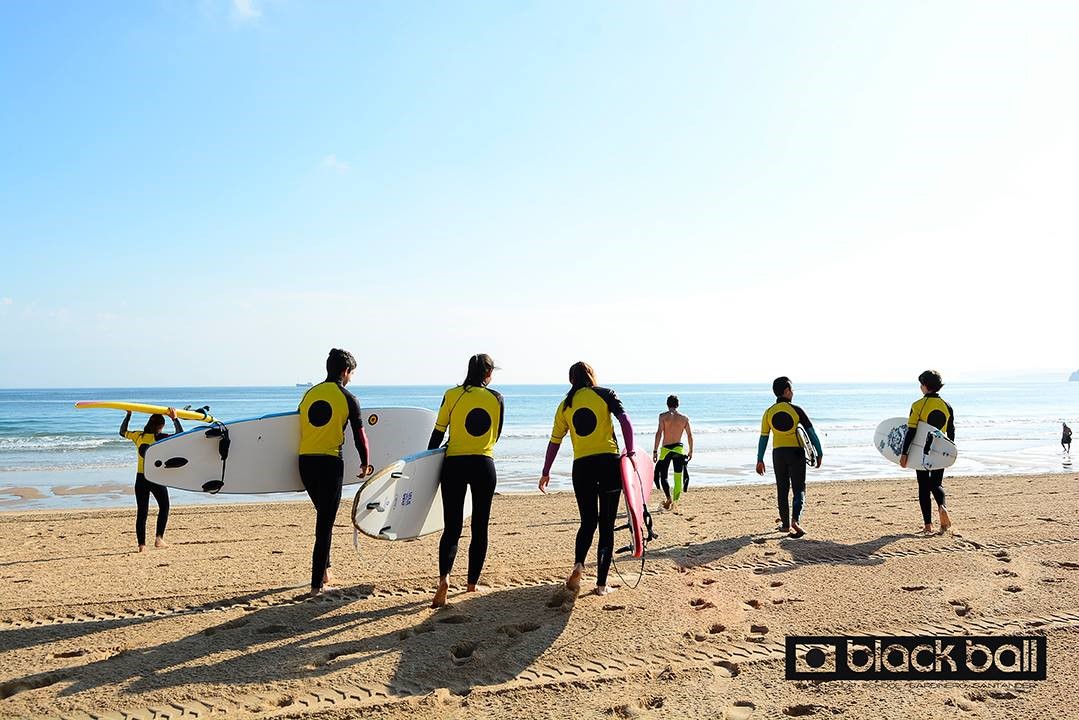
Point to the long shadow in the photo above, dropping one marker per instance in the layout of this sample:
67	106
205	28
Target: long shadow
825	552
481	639
696	554
17	638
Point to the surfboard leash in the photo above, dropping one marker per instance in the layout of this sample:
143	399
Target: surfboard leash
644	549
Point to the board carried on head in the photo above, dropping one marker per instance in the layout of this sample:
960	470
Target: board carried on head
404	500
930	450
261	455
202	414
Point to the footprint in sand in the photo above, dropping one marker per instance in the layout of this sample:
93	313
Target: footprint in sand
563	599
70	654
463	652
516	629
1002	556
758	629
726	668
1006	573
802	710
741	710
454	619
754	603
700	604
717	628
1013	589
962	608
776	583
708	581
913	588
614	607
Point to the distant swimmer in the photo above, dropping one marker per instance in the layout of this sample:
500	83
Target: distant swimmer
150	434
933	410
586	414
472	413
1066	439
781	420
324	411
672	425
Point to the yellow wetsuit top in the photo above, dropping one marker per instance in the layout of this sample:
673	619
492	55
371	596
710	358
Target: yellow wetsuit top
143	441
931	409
324	411
588	421
782	420
474	419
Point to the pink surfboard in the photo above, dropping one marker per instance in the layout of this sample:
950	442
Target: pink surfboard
637	488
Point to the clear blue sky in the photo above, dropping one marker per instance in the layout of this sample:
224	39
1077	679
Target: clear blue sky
216	192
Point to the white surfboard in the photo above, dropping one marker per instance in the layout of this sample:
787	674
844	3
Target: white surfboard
404	500
263	451
888	439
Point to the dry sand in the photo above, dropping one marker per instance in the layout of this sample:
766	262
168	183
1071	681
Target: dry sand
211	626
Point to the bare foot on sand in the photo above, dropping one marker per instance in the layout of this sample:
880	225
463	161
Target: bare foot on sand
440	594
159	542
945	520
473	587
142	548
328	578
667	504
602	590
573	582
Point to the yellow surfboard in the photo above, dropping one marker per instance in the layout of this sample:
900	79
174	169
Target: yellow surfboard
143	408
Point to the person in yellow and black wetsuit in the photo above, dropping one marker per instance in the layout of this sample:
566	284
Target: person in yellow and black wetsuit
472	413
324	411
788	458
597	476
933	410
150	434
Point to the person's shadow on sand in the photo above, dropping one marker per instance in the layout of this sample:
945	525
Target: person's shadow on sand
478	639
826	552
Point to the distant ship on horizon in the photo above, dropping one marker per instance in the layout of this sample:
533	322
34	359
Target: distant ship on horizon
305	384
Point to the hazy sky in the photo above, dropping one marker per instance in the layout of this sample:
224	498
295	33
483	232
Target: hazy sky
213	192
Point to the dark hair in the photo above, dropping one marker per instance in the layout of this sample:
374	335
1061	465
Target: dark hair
478	367
931	379
581	375
337	362
672	401
155	424
780	385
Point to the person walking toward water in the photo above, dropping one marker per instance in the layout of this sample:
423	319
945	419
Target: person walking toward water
672	424
324	411
931	409
781	420
1066	439
585	414
150	434
473	414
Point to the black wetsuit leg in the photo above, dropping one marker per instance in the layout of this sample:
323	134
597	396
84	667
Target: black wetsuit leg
679	466
930	483
597	485
784	470
459	473
322	476
142	505
661	475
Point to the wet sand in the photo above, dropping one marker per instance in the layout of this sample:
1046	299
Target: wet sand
213	625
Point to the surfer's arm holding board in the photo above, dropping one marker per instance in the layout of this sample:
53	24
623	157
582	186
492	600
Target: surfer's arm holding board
355	421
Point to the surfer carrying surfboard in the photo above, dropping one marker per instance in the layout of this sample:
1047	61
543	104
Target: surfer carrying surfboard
473	414
672	424
324	411
781	420
930	409
150	434
585	414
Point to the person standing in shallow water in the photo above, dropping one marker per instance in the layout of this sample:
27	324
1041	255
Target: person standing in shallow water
788	458
585	414
324	411
1066	439
150	434
473	414
931	409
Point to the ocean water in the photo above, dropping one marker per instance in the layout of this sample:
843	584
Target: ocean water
75	459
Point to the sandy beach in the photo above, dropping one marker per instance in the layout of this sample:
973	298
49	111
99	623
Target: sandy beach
213	626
